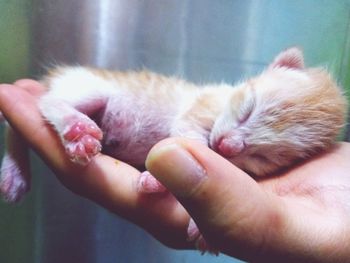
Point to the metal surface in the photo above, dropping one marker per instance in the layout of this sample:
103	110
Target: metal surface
223	40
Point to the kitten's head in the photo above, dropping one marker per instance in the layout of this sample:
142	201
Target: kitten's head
285	114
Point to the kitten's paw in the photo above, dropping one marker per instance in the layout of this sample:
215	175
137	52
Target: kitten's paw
13	184
194	235
82	140
148	184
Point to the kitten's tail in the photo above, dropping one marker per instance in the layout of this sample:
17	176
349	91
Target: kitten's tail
15	171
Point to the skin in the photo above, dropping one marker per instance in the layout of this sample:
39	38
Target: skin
301	215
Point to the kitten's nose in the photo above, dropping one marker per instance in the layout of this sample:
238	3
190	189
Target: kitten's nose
228	146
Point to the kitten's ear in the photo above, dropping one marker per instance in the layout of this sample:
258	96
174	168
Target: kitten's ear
290	58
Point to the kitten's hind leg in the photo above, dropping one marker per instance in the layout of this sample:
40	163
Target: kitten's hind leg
15	171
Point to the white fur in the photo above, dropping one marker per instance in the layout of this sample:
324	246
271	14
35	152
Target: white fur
73	88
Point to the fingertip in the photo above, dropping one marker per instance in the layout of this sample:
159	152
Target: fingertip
4	88
30	85
10	92
163	143
176	168
7	93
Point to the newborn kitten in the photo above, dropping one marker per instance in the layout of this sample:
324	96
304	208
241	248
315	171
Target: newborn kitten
285	114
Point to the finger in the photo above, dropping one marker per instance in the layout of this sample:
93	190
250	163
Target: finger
32	86
229	207
20	110
106	181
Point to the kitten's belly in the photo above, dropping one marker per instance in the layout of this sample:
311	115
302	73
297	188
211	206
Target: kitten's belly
129	135
130	149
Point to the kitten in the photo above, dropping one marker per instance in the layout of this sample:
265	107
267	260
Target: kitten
285	114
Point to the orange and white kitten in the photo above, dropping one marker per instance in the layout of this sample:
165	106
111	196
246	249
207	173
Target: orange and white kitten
268	122
285	114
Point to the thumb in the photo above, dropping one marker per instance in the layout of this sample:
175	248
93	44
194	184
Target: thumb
231	210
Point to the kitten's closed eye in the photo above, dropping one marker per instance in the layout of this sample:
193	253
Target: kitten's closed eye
245	114
246	108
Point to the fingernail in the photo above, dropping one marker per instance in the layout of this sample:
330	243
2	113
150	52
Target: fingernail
176	168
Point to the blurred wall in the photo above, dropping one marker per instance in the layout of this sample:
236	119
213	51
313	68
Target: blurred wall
201	40
14	40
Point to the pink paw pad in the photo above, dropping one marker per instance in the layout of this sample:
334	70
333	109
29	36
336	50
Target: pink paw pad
81	128
148	184
82	141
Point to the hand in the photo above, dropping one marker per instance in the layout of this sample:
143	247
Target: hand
302	215
106	181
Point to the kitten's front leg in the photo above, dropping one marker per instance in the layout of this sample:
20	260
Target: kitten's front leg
79	134
74	94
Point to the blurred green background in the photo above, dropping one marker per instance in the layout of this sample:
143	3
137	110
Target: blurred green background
15	39
16	224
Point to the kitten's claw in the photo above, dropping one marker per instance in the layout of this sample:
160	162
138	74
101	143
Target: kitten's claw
148	184
82	141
